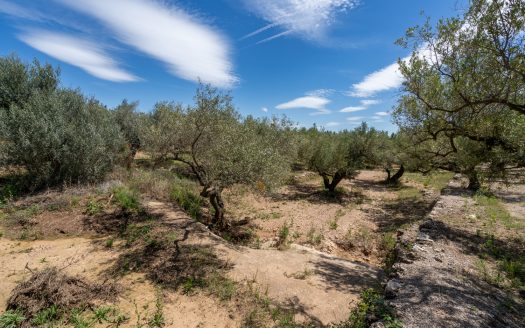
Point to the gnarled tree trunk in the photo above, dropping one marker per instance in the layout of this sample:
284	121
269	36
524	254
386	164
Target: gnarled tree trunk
473	181
395	178
214	195
338	177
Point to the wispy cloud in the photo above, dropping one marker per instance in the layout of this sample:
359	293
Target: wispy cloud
191	49
382	113
84	54
352	109
387	78
309	102
332	124
354	118
370	102
264	109
18	11
321	92
384	79
309	19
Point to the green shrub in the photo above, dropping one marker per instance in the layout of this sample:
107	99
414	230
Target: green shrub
372	305
126	199
187	200
58	136
11	319
46	316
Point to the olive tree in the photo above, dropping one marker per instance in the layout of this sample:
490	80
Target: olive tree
18	81
464	96
60	138
127	118
337	156
221	148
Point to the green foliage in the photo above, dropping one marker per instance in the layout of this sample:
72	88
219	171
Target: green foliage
465	108
93	207
190	202
46	316
129	121
374	305
126	199
11	319
282	236
58	136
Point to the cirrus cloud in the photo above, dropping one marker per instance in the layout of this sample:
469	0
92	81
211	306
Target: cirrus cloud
81	53
190	49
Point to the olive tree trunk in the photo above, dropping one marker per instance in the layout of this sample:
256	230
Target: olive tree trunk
395	178
331	185
215	197
473	181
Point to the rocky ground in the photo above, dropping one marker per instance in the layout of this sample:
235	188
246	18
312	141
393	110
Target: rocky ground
448	272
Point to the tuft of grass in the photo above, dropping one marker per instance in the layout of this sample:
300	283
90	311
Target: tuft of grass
157	319
314	238
332	225
435	180
126	199
46	316
11	319
372	305
109	243
135	232
93	207
495	211
405	193
190	202
284	233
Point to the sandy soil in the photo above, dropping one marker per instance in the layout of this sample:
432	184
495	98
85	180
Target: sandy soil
325	294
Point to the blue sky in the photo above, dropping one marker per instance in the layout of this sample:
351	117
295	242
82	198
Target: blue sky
329	62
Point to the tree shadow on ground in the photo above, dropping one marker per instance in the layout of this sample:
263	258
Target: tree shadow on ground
315	195
294	305
166	259
341	277
392	215
420	297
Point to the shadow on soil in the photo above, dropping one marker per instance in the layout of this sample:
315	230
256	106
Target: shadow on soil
454	294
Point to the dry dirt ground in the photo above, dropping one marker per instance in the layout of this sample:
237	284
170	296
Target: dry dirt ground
354	224
464	266
334	248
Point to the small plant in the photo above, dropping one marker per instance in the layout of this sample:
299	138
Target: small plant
101	314
372	305
109	243
46	316
93	207
79	321
11	319
333	224
157	320
126	199
191	203
284	232
190	284
314	238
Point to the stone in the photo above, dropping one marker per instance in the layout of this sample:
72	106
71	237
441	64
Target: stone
392	287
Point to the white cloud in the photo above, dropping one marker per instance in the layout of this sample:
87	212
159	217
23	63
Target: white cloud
355	118
264	109
382	113
321	92
190	49
322	111
87	55
377	117
385	79
332	124
309	19
15	10
352	109
310	102
370	102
